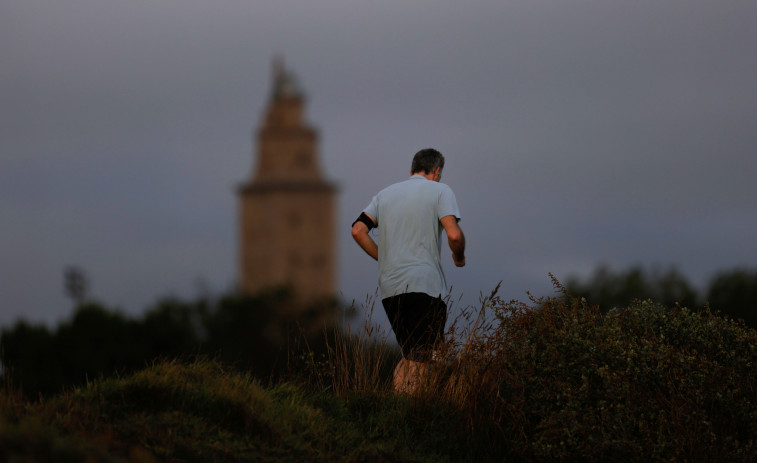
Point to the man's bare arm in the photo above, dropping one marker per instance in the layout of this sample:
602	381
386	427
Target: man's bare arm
456	239
363	239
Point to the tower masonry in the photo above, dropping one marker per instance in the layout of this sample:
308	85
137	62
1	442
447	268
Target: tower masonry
287	210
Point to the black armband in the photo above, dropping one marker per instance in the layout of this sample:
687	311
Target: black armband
365	218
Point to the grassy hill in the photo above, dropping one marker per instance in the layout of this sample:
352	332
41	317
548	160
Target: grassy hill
554	380
202	412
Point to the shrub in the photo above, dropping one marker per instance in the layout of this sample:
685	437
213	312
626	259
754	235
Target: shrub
557	379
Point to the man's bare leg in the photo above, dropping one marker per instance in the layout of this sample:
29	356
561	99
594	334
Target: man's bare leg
407	375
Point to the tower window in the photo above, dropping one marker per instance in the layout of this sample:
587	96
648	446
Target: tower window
302	159
318	261
294	220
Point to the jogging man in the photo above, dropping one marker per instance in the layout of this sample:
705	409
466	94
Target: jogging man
410	216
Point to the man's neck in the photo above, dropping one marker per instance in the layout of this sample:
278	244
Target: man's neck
428	176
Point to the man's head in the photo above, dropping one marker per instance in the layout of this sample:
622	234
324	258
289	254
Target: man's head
427	161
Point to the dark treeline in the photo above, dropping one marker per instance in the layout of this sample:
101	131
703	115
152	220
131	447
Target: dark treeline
259	334
264	334
732	293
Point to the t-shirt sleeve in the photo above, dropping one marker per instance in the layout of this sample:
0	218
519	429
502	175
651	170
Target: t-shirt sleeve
448	204
372	209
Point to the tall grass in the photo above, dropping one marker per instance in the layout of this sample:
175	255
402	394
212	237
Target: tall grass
356	360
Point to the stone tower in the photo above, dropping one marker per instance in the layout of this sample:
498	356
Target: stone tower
287	210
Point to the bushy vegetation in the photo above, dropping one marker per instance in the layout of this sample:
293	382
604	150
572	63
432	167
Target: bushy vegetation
643	383
550	379
559	379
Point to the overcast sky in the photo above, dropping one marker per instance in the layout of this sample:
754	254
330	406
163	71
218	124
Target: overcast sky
575	132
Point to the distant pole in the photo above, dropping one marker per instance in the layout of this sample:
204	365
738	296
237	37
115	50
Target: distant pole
76	285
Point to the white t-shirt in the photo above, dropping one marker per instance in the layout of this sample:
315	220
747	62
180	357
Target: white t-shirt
408	217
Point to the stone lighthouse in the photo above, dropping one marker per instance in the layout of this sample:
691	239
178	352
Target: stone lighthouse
287	210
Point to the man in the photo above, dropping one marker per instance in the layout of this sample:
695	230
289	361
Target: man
410	216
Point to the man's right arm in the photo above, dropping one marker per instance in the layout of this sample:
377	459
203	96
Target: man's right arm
456	239
363	239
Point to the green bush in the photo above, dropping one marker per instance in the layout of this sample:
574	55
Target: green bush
558	380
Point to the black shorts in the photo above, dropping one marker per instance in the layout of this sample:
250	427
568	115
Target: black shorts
418	323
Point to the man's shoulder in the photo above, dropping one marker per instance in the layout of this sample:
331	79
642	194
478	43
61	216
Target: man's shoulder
414	182
444	186
401	185
415	186
441	188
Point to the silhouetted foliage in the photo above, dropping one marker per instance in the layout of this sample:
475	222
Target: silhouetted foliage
76	285
171	328
252	333
243	331
609	289
735	293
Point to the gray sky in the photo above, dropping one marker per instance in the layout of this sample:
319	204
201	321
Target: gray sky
575	133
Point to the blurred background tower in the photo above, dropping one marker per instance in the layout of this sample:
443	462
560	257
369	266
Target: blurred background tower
287	210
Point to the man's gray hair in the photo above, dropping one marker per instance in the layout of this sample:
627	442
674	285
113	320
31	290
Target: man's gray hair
426	161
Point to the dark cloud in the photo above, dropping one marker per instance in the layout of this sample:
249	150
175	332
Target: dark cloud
575	133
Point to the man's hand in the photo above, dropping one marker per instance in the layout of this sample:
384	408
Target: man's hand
458	262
